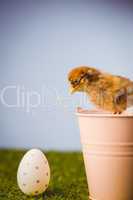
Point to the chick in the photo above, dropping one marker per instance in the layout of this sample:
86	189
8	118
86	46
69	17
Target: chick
108	92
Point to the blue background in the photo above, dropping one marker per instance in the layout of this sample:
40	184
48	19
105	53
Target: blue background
40	41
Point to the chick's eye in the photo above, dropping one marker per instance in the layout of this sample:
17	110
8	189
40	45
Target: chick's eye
75	82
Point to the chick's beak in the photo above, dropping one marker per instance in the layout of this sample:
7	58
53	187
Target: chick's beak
71	89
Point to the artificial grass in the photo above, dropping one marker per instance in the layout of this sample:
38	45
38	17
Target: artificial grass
68	180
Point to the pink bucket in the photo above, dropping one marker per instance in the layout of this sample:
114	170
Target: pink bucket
107	142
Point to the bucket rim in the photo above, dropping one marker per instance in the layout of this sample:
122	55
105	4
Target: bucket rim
95	113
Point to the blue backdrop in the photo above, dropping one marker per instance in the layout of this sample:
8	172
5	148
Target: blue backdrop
40	41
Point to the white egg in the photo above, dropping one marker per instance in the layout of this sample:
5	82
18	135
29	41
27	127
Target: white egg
33	174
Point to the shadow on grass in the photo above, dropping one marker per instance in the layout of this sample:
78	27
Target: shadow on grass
52	193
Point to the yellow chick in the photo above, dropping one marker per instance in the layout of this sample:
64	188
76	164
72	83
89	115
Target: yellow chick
108	92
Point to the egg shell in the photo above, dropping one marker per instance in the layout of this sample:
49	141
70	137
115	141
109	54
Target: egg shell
33	174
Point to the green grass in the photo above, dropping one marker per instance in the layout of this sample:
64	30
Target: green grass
68	180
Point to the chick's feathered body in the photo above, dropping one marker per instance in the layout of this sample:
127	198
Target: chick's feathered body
106	91
109	93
